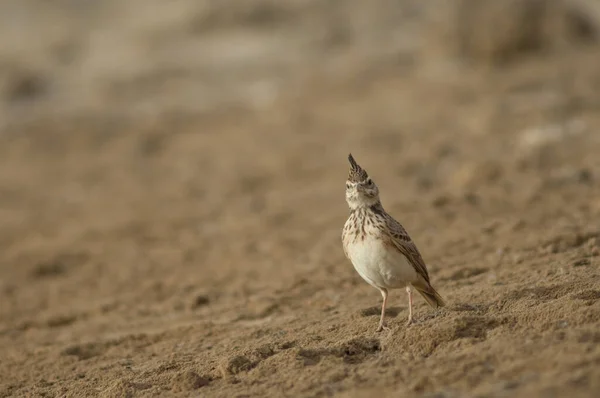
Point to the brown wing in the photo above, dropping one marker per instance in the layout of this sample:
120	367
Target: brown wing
402	241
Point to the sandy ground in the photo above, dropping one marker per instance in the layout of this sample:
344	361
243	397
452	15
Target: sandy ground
172	198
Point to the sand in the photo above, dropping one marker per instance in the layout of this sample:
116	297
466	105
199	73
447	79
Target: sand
172	228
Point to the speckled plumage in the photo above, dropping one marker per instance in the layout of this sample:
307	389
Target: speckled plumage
379	247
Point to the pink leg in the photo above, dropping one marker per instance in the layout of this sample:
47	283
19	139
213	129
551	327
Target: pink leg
410	313
384	294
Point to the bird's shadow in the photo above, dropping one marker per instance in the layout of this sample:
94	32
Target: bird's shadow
376	311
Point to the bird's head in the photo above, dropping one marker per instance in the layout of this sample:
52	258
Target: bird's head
361	191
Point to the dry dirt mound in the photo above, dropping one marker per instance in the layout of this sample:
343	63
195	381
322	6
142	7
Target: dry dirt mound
494	33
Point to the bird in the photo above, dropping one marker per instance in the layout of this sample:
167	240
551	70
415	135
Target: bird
379	248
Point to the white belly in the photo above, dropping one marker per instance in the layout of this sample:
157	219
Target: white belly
379	265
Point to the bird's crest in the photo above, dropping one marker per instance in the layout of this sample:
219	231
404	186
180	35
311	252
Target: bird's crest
357	173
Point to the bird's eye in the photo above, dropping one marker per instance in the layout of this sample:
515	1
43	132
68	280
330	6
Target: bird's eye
369	182
348	185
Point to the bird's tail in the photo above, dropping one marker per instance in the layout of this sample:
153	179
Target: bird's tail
432	297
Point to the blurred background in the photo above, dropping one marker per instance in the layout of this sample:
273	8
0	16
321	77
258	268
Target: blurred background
172	186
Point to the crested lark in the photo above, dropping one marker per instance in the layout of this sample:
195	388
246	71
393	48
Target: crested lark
379	247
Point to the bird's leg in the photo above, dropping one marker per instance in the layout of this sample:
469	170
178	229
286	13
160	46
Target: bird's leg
384	294
409	291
